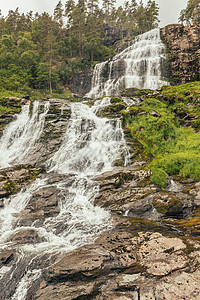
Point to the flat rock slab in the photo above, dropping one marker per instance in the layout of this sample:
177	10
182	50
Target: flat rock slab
120	265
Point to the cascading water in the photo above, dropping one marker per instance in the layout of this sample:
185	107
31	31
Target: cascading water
141	65
21	135
89	148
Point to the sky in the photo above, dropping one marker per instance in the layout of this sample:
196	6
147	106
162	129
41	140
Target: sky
169	9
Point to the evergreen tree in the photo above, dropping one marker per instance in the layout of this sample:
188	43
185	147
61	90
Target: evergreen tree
58	13
108	7
2	25
191	15
92	6
151	15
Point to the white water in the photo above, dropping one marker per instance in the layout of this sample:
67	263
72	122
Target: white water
89	148
25	283
140	65
22	134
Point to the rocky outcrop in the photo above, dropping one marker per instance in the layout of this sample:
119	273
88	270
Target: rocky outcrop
183	44
113	34
129	191
150	251
15	178
81	82
122	265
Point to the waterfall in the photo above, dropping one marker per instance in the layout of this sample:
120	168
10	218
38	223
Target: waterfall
21	135
141	65
89	147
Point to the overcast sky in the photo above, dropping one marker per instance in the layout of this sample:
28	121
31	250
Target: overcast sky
169	9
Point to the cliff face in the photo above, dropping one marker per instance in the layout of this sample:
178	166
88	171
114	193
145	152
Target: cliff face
81	83
183	45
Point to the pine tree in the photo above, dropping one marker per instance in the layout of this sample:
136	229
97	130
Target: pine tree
92	6
191	15
108	7
151	16
58	13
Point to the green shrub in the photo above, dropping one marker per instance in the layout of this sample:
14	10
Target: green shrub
159	177
185	164
156	125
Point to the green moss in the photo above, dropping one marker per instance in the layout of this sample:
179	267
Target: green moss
115	100
165	205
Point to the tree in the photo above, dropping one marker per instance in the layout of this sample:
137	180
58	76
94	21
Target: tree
58	13
2	25
92	6
152	13
191	15
12	21
108	6
69	6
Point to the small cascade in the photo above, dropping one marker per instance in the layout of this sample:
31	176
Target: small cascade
89	147
141	65
21	135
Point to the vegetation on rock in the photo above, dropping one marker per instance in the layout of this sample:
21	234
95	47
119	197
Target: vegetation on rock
166	124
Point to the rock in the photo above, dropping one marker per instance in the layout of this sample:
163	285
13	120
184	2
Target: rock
129	191
181	285
26	236
55	125
15	178
183	46
162	255
6	257
81	83
45	200
122	266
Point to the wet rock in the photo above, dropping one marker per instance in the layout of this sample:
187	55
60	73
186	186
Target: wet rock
26	236
81	83
15	178
45	200
129	191
55	125
6	257
178	205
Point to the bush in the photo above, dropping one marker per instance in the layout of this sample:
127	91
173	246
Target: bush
159	177
185	164
176	150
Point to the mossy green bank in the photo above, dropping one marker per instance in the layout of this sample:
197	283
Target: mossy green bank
166	124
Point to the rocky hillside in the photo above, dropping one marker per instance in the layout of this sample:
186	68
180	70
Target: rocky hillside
152	250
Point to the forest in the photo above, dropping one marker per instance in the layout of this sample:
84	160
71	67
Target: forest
43	52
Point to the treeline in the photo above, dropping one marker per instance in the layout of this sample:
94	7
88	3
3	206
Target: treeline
40	51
